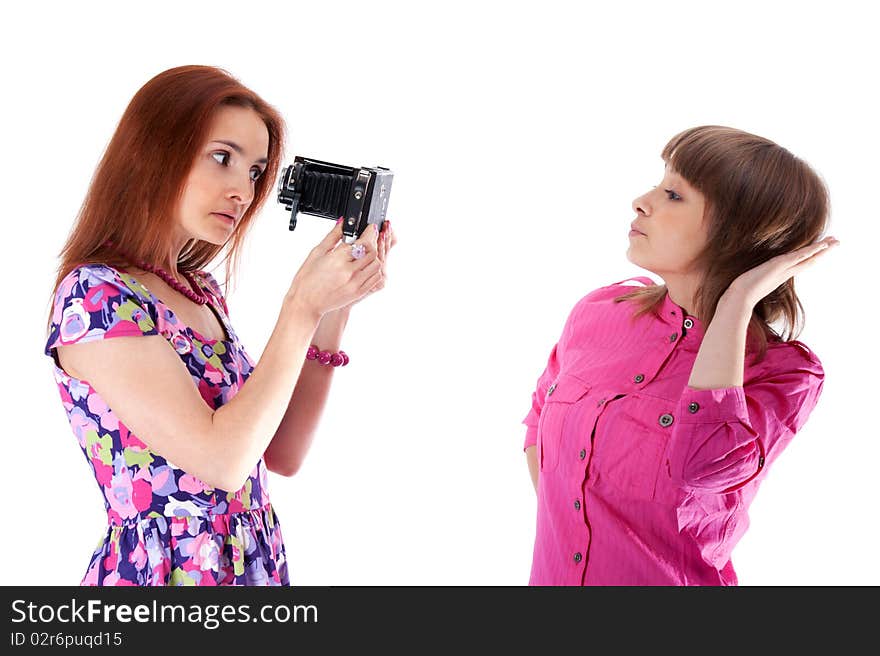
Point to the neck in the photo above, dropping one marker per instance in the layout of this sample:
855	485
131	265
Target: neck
179	242
170	263
682	288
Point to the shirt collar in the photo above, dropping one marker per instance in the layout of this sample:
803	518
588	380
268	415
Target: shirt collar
688	326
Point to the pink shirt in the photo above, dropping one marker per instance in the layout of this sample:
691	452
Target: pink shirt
643	480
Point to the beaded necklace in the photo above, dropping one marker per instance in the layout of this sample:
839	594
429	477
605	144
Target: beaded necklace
196	297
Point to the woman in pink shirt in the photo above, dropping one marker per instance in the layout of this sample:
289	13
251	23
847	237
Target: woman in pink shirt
662	407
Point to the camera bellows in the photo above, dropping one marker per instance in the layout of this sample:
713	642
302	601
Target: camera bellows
323	192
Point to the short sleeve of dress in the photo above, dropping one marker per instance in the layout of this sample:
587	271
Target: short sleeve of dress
94	301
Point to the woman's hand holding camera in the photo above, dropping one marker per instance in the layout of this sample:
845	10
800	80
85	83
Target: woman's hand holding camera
331	277
386	240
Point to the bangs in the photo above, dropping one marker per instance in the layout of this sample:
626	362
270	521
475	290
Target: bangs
701	155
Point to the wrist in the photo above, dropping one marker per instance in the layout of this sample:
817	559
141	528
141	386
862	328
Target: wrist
338	313
733	309
736	300
295	306
333	359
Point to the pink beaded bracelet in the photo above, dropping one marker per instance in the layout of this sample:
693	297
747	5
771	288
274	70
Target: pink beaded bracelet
326	357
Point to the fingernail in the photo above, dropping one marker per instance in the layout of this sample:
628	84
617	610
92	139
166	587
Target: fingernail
375	227
338	220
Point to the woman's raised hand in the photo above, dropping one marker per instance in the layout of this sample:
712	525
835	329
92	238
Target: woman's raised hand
756	283
331	277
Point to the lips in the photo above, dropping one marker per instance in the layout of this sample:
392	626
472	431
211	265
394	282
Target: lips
226	216
634	229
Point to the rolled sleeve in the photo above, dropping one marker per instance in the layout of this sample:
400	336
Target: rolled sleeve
531	435
712	405
724	438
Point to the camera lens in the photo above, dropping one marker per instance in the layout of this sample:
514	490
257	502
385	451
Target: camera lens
281	179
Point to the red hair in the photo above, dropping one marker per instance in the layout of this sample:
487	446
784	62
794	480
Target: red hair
140	179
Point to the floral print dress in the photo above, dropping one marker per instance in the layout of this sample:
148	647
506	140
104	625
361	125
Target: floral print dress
165	526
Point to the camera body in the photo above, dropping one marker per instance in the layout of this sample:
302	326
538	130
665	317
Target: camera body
358	194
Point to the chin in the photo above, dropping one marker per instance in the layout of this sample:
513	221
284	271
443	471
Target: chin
639	262
218	236
631	258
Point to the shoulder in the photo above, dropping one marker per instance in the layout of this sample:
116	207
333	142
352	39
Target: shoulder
85	277
612	291
93	273
792	361
603	298
599	317
95	282
793	351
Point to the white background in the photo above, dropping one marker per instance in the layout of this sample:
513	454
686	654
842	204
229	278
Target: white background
519	135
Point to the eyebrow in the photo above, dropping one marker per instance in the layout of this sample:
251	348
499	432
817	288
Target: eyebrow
675	176
239	150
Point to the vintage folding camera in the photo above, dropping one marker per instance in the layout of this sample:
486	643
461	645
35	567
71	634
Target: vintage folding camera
358	194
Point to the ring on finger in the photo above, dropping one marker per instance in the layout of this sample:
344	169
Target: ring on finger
358	251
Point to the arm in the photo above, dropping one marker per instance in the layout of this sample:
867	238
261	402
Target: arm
721	356
293	438
150	390
727	432
719	362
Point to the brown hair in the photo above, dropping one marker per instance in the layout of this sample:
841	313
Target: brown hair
141	176
760	201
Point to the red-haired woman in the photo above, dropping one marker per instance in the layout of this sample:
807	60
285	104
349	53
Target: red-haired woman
662	407
179	444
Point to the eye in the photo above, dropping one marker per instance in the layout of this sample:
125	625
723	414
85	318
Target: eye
222	158
672	194
222	153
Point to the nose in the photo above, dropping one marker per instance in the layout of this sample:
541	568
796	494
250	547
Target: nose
641	206
241	192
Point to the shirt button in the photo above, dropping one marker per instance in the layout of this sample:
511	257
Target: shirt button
639	378
688	323
577	504
551	389
583	454
666	420
693	406
578	557
673	337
